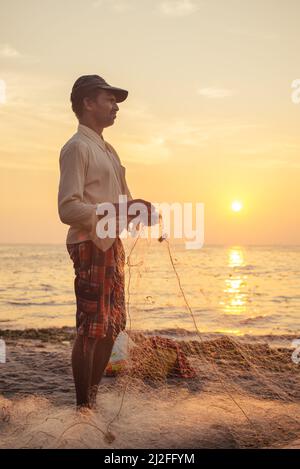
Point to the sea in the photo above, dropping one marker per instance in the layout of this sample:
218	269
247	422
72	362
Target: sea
236	290
246	389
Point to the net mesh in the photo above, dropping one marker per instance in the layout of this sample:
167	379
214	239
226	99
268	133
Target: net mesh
178	390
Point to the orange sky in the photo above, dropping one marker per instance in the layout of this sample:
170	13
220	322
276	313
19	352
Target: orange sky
209	116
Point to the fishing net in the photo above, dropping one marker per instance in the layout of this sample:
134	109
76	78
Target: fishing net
243	394
181	387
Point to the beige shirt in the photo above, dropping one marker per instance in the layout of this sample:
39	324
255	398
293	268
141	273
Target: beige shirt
90	173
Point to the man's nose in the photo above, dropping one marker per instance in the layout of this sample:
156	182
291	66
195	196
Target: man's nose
116	107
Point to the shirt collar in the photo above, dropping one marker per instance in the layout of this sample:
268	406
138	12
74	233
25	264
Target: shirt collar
88	132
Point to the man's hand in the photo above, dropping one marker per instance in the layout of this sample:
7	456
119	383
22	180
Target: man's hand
147	212
148	208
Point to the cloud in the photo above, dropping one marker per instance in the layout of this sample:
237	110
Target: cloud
255	34
178	7
150	151
180	132
215	93
149	139
2	92
272	163
31	166
118	6
274	154
8	52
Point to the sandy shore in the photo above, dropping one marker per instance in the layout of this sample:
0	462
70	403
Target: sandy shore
37	399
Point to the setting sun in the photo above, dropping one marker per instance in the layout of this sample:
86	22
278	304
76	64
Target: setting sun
236	206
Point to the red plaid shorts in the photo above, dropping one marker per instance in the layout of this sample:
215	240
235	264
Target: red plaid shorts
99	288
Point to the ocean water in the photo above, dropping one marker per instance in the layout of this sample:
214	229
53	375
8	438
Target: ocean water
238	290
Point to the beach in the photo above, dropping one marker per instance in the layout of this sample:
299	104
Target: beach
181	144
240	388
243	396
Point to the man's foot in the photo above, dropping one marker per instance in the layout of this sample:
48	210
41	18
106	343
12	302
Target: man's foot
84	410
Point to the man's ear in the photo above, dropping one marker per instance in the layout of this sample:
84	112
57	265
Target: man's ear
87	103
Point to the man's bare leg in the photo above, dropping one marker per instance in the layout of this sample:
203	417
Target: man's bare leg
82	366
102	355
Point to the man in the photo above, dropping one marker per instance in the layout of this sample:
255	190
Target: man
91	173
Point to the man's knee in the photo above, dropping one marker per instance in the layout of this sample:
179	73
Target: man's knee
87	344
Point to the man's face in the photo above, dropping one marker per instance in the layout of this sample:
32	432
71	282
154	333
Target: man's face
103	108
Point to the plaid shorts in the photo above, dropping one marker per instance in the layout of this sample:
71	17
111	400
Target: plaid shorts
99	288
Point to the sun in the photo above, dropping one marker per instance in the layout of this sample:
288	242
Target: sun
236	206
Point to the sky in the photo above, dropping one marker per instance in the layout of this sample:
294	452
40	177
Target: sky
209	116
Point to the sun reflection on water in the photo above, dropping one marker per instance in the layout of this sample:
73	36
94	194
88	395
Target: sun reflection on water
235	292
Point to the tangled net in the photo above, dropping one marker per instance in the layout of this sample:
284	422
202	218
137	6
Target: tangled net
192	391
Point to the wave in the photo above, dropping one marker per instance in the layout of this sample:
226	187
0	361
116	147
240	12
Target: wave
281	299
37	303
255	319
66	333
246	267
46	286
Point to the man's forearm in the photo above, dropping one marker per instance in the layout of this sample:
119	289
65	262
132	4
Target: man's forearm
76	213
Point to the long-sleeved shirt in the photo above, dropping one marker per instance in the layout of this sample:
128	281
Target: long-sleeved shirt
90	173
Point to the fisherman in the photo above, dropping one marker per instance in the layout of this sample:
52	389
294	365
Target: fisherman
91	173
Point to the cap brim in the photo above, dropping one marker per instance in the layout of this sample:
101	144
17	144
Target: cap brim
119	93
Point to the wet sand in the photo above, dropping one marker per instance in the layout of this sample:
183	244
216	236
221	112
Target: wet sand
37	399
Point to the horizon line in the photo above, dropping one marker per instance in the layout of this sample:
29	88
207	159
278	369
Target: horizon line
204	245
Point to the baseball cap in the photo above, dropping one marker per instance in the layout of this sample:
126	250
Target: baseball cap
88	82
